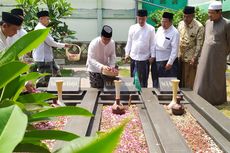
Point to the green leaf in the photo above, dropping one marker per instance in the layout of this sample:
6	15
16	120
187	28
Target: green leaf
24	45
13	89
48	134
33	76
13	124
35	107
7	103
104	143
32	147
11	71
62	111
35	97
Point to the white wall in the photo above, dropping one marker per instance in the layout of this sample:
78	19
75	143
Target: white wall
86	29
85	4
118	4
120	28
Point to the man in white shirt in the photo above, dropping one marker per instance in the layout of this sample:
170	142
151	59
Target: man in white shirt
43	55
101	55
166	49
21	32
139	46
8	27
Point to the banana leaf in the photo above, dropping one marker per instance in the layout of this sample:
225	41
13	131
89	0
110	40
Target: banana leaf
34	146
104	143
61	111
13	124
11	71
35	97
48	134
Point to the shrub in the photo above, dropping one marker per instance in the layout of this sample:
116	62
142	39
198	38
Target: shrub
178	16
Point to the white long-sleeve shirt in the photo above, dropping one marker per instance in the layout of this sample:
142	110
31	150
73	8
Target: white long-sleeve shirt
44	52
100	54
14	38
3	43
140	43
167	43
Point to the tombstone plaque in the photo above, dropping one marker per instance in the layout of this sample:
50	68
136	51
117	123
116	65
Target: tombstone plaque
70	84
126	86
165	85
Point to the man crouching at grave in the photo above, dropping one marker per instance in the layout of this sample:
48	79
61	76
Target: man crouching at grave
101	57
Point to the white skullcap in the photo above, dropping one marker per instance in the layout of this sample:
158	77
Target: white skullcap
216	5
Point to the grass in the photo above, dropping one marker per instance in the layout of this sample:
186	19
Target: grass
66	73
225	108
123	72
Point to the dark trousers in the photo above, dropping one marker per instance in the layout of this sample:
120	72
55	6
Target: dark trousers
96	80
45	67
158	70
154	74
142	68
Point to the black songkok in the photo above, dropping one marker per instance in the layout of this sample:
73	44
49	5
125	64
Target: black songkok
42	13
107	31
11	18
189	10
167	15
142	13
17	11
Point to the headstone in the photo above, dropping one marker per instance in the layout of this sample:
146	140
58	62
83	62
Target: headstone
165	85
70	84
126	86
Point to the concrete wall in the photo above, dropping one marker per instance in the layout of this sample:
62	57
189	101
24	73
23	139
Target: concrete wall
92	15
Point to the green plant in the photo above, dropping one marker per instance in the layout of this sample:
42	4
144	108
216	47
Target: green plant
178	16
58	9
16	132
30	8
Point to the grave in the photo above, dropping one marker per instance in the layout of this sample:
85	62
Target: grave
158	127
71	92
164	92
